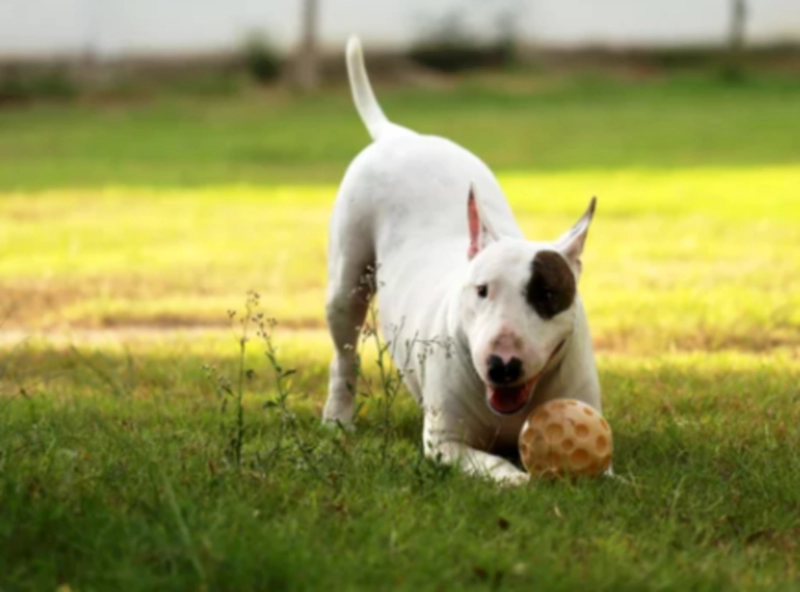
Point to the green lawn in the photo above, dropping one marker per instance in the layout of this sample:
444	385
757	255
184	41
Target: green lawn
513	122
128	231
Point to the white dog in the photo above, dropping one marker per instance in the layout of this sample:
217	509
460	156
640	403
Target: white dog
424	223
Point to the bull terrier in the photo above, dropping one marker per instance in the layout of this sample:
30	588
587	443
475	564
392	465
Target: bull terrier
423	225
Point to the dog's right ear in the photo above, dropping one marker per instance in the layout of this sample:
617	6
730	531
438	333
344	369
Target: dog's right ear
480	231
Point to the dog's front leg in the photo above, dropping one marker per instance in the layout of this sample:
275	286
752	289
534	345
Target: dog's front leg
476	462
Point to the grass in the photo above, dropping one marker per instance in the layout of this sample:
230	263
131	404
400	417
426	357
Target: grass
713	250
125	485
514	122
118	467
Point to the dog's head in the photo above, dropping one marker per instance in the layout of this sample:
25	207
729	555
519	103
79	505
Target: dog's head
518	306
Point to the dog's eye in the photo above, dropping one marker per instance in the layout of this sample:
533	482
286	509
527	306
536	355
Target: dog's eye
483	291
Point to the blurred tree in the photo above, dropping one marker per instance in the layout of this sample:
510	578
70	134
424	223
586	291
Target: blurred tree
736	30
260	58
306	72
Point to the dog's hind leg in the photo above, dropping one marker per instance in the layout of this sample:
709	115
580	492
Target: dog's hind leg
350	287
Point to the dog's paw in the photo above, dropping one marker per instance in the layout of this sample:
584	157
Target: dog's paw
512	478
610	474
338	413
338	424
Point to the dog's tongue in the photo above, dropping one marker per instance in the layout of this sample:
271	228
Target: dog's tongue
508	400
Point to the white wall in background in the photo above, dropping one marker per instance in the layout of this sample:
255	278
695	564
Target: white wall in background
118	27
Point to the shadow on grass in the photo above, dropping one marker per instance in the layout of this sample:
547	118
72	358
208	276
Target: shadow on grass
516	123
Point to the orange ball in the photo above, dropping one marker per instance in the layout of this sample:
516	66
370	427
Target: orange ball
565	437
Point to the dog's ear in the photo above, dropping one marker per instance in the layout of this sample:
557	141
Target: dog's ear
481	232
571	243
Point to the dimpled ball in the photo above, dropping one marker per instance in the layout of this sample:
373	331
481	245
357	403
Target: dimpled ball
565	437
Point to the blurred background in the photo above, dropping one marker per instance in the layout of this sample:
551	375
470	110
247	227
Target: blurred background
96	45
118	28
159	159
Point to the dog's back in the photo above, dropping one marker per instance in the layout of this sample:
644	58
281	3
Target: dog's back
411	186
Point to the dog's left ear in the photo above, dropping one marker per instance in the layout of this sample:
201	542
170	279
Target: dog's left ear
571	243
481	232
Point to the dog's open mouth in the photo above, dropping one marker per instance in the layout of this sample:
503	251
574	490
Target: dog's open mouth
506	400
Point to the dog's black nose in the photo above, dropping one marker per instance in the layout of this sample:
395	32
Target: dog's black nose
502	373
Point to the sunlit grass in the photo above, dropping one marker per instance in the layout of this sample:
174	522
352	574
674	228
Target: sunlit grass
685	258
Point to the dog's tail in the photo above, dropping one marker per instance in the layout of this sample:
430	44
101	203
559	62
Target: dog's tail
366	104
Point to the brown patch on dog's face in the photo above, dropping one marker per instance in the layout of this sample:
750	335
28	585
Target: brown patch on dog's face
551	289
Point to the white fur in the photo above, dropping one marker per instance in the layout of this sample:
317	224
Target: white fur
402	208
